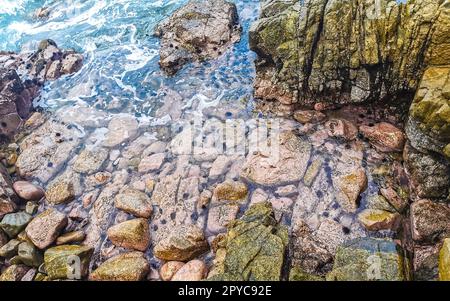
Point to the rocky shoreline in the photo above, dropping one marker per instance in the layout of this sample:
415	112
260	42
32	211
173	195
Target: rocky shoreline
359	189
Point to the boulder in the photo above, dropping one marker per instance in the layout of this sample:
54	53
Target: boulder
29	255
198	31
45	228
10	249
132	234
67	262
124	267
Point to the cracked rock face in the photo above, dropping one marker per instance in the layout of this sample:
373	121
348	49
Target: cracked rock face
324	51
199	31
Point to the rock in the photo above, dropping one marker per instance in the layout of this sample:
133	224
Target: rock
429	175
425	263
204	199
3	238
132	234
169	269
309	116
287	166
220	216
254	248
10	248
194	270
378	202
13	223
28	191
366	259
45	228
341	128
384	136
29	276
120	129
71	63
14	273
312	172
60	192
124	267
430	221
231	191
29	255
183	243
286	191
302	49
350	186
134	202
90	161
6	207
31	208
71	237
374	219
198	31
67	262
427	127
444	261
394	199
7	195
151	163
296	274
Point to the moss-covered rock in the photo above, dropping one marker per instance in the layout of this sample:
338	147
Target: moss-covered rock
296	274
254	247
369	259
60	261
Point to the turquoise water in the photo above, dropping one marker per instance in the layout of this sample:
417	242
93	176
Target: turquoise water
121	55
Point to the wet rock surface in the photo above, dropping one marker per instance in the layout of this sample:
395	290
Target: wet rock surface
199	31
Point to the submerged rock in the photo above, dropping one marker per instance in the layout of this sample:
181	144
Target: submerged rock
369	259
60	192
132	234
90	161
134	202
7	195
198	31
374	219
309	116
182	244
169	269
60	262
350	186
231	191
253	247
124	267
384	136
45	228
194	270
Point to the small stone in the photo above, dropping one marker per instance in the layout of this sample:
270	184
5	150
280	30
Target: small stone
204	199
29	276
183	243
14	273
194	270
45	228
31	208
312	172
350	186
28	191
309	116
60	192
169	269
398	202
384	136
132	234
444	261
231	191
374	219
220	216
286	191
6	207
380	203
341	128
71	237
60	260
29	255
13	223
151	163
90	161
134	202
10	248
124	267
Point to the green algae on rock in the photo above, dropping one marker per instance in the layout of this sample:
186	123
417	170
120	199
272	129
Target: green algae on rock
255	247
366	259
60	261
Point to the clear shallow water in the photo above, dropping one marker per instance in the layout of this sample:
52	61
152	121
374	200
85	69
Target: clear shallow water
121	72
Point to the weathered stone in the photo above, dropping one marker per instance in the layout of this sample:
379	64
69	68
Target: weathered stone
13	223
183	243
289	166
231	191
374	219
90	161
151	163
444	261
29	255
10	248
124	267
309	116
220	216
312	172
45	228
350	186
198	31
14	273
71	237
368	259
60	260
132	234
399	202
429	221
255	246
134	202
60	192
384	136
194	270
378	202
169	269
28	191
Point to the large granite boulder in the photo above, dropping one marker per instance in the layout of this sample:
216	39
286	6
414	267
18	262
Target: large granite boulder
198	31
